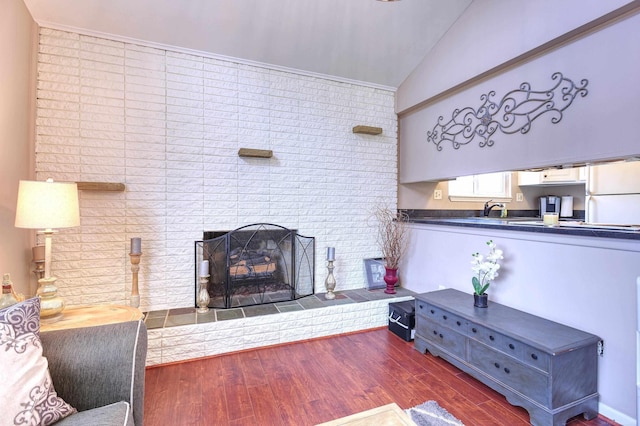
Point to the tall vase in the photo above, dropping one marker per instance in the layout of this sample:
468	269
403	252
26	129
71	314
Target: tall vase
391	278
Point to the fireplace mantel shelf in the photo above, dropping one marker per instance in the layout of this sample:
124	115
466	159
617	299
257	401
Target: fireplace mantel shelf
101	186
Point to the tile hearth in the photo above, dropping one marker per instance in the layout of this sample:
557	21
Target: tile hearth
182	334
187	316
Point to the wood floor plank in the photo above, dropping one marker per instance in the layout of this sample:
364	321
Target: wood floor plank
214	400
505	414
320	380
187	394
235	388
190	396
322	410
289	405
469	413
154	378
265	408
254	374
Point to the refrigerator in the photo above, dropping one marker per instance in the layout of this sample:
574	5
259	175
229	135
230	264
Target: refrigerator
613	193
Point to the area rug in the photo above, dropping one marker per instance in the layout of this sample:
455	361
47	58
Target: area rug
432	414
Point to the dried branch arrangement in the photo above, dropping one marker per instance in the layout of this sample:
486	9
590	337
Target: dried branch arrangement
392	234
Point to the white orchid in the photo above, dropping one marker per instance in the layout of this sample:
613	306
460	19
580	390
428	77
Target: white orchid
486	270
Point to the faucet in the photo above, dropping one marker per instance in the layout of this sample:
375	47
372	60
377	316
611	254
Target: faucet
488	208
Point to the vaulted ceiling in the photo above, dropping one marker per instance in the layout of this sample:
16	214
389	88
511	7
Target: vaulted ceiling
370	41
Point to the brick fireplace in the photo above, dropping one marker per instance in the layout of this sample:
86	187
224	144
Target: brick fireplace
169	125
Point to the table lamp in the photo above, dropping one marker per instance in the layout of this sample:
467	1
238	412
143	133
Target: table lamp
48	205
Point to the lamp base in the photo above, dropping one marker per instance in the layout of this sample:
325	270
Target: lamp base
51	305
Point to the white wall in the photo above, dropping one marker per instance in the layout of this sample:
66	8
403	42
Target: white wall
579	282
17	73
587	283
169	126
490	33
597	126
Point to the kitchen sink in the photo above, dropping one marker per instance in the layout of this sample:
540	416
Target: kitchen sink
483	219
500	220
476	219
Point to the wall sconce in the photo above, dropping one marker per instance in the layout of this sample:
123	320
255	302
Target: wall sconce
48	205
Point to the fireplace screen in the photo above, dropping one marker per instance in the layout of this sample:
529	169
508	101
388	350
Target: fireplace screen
255	264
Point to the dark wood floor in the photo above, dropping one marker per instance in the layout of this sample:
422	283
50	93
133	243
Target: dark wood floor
320	380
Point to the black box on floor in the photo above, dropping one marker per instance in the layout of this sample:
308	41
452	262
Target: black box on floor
402	319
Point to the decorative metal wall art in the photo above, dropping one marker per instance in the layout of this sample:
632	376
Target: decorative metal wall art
513	113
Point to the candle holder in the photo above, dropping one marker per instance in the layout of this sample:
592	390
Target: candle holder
203	295
330	282
39	271
134	300
38	259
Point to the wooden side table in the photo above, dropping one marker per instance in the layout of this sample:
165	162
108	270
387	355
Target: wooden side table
89	316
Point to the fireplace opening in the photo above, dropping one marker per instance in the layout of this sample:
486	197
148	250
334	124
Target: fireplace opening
256	264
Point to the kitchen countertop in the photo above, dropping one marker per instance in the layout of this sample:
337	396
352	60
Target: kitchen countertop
534	224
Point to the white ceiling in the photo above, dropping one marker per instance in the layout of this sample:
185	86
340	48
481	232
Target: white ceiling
370	41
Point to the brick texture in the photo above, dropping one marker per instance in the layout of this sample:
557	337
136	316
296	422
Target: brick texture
187	342
169	125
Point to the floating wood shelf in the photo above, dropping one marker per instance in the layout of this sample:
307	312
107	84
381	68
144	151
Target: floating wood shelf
101	186
367	130
256	153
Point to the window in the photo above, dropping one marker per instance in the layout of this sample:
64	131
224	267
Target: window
495	186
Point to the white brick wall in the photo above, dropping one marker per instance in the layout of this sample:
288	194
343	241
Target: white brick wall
169	126
181	343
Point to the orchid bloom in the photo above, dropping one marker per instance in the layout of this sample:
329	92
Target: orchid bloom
485	268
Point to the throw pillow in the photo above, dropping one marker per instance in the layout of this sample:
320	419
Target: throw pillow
27	396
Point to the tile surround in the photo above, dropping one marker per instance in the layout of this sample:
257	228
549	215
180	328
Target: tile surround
187	316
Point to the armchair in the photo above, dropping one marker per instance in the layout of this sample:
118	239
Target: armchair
100	371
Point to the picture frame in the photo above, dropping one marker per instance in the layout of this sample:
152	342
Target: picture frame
374	271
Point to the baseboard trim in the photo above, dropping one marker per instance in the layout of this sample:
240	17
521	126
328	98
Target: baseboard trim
615	415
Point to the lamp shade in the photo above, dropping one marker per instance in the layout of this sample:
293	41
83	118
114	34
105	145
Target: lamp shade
47	205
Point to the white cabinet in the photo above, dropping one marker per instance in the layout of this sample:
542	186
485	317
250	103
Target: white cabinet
569	176
529	178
